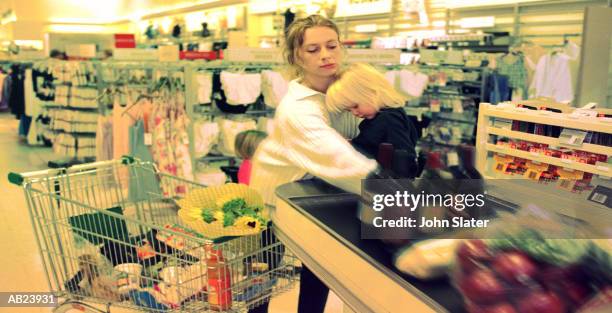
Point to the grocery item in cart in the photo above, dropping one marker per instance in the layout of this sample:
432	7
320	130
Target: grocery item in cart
219	280
227	210
128	276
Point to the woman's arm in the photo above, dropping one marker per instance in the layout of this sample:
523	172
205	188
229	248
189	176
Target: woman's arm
321	151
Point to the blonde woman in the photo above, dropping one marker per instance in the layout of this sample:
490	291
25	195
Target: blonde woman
367	94
307	138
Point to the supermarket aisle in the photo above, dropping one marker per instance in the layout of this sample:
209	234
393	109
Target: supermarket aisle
22	268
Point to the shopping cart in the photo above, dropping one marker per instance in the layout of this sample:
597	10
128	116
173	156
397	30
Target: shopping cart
109	235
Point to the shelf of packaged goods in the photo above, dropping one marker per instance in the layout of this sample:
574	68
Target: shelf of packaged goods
548	140
603	170
550	118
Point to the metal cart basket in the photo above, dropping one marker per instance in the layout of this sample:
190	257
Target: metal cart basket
108	233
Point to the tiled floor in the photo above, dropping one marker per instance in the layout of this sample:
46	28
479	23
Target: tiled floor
20	264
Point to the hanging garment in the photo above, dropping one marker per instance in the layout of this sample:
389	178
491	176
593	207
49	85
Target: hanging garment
176	31
143	181
206	136
229	130
104	138
497	89
392	77
204	87
289	17
32	109
17	97
121	128
6	93
553	78
180	138
274	87
24	125
514	68
411	83
220	99
2	77
241	89
163	149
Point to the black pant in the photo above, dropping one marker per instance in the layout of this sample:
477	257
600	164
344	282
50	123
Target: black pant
313	292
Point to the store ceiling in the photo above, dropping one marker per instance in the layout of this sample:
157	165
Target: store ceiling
91	11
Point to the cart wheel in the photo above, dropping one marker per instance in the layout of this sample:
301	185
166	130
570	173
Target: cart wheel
71	306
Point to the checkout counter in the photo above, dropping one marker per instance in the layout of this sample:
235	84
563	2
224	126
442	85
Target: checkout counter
318	222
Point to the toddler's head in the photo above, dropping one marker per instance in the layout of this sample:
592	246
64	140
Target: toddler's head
363	90
246	143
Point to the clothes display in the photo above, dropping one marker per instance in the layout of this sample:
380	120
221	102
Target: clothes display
122	122
229	129
204	80
170	141
104	138
241	88
273	87
411	83
206	137
552	78
513	66
143	182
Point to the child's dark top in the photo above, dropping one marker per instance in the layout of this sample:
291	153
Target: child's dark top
390	125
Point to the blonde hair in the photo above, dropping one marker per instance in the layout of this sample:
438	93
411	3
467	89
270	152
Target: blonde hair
294	37
363	84
247	141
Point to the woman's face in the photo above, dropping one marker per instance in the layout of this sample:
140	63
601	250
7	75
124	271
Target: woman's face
320	55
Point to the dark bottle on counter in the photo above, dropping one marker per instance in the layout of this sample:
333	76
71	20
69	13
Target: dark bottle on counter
434	167
467	157
385	156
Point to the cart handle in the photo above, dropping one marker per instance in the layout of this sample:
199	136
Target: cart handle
19	178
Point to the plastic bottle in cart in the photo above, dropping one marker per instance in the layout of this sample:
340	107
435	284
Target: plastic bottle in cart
219	280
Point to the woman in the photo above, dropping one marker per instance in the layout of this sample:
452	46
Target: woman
307	139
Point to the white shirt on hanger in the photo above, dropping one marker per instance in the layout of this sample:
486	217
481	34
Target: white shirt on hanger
553	78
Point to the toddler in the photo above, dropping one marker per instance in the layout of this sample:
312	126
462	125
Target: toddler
365	92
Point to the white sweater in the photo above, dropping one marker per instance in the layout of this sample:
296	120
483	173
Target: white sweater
307	139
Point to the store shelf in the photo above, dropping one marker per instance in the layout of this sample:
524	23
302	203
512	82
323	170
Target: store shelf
548	140
216	158
436	143
456	66
550	118
603	170
465	83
